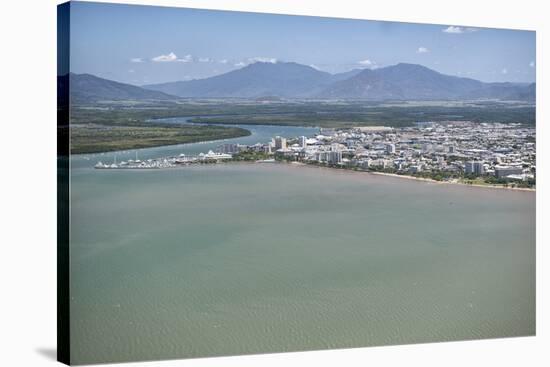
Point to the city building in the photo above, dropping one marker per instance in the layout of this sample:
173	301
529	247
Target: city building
474	167
503	171
280	143
228	148
302	141
334	157
211	156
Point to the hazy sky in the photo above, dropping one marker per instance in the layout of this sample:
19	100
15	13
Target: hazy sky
147	44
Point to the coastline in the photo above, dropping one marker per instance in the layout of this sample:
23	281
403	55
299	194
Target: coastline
451	182
294	163
413	178
394	175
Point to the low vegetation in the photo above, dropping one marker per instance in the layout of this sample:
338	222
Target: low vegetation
96	138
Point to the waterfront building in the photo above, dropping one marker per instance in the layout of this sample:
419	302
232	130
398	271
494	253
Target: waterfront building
210	156
320	156
416	168
280	143
503	171
302	141
228	148
334	157
473	167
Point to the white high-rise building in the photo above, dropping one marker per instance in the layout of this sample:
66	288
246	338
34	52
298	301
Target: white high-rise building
334	157
390	148
280	143
302	141
473	167
228	148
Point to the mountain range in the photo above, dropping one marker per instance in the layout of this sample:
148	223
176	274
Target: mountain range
282	79
90	88
292	80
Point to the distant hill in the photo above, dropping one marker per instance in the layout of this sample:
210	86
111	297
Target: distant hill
416	82
90	88
291	80
281	79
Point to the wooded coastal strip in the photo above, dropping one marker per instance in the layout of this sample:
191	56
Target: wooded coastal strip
93	138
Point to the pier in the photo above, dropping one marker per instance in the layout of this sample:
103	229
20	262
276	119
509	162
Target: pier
165	162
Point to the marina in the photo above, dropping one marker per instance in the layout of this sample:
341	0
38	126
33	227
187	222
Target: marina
166	162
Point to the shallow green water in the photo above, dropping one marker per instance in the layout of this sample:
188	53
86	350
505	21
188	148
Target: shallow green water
251	258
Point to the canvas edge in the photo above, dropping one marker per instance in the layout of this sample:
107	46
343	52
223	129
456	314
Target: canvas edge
63	198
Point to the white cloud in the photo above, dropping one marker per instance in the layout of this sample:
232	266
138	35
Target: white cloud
314	66
136	59
252	60
458	30
422	50
223	61
205	59
131	71
504	71
262	59
453	29
171	57
532	64
365	62
165	58
186	58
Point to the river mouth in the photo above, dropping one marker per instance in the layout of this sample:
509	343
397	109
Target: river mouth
258	134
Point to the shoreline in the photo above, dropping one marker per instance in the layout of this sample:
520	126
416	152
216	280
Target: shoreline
294	163
302	164
450	182
413	178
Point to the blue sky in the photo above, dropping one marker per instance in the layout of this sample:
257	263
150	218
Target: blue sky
147	44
